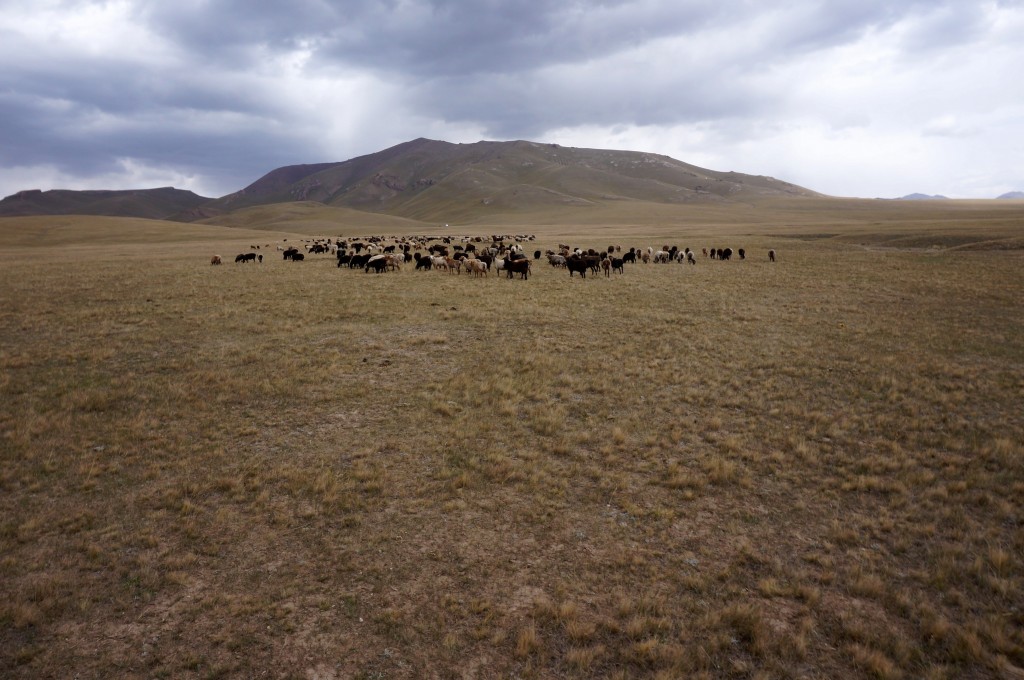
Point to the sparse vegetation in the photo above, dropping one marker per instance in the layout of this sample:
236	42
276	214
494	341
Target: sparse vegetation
813	468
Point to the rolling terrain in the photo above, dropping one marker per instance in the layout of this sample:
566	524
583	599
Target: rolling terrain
434	181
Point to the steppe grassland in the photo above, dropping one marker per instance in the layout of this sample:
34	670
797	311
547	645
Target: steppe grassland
811	468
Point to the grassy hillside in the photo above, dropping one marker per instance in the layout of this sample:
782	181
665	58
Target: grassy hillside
435	181
162	203
812	468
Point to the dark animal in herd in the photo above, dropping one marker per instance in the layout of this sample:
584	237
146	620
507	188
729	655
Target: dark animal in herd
377	263
248	257
520	266
577	264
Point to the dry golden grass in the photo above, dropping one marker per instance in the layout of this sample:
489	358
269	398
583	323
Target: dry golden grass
807	469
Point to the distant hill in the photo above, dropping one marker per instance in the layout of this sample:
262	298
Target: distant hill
922	197
429	180
157	204
434	180
1012	194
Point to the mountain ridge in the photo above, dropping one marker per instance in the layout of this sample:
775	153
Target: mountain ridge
430	180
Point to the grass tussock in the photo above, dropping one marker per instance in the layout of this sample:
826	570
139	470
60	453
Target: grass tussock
741	469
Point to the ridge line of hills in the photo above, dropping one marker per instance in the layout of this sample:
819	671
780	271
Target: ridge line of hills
430	180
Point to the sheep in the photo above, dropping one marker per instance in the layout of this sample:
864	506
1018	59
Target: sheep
377	263
520	266
576	264
215	259
771	256
476	267
617	265
606	266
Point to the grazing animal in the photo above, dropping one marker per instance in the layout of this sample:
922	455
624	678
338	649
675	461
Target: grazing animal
246	257
742	253
690	257
771	256
577	264
291	252
424	263
520	266
298	257
617	265
630	256
377	263
476	267
726	254
215	259
606	266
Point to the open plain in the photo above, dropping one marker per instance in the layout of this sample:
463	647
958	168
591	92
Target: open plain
812	468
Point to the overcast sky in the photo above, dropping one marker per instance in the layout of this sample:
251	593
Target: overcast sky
871	98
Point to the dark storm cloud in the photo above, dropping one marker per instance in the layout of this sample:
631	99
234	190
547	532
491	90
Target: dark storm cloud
224	90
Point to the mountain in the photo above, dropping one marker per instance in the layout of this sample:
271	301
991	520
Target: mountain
431	180
434	180
1012	194
922	197
157	204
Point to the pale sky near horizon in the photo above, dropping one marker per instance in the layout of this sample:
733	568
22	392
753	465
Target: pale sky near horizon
869	98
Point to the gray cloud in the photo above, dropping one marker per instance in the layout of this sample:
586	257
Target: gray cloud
227	92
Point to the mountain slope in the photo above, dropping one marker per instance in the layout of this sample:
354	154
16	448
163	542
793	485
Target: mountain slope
434	180
157	204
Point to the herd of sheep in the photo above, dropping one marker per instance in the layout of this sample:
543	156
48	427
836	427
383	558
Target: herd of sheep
480	255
